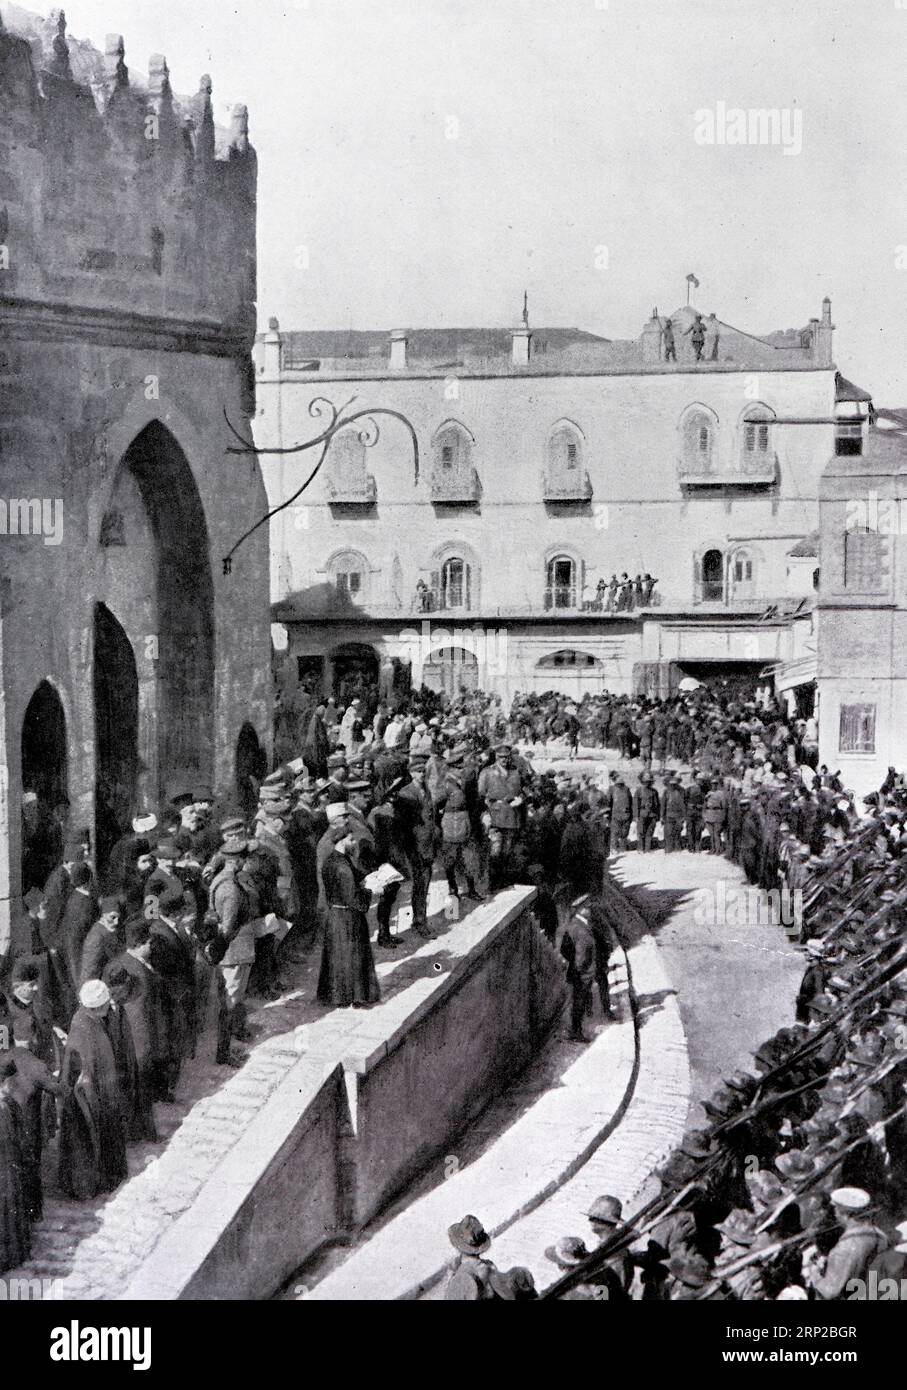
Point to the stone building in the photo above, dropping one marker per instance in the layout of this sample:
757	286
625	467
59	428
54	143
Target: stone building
862	611
132	666
551	461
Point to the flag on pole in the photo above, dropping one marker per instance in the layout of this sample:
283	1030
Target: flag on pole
691	280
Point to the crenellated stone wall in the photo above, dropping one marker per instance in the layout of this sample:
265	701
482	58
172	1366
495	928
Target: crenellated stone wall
127	289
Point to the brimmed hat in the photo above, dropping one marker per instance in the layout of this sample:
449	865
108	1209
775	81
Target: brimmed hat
722	1104
739	1226
336	810
234	844
606	1210
234	825
697	1143
795	1165
469	1236
677	1171
823	1004
513	1285
568	1252
336	760
143	822
202	792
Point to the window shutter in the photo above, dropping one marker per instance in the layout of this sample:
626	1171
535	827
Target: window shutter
467	577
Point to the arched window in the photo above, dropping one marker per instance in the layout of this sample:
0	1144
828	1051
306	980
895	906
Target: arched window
573	660
698	441
561	582
710	577
349	573
347	478
452	584
566	479
453	476
742	574
756	450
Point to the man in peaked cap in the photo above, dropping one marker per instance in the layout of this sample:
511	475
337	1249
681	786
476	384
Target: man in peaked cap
860	1243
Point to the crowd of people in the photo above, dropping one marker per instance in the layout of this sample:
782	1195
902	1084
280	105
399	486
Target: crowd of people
112	982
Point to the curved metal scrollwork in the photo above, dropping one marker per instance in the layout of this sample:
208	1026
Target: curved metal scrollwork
320	407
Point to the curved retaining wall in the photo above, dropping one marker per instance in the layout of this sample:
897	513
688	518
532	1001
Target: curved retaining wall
329	1150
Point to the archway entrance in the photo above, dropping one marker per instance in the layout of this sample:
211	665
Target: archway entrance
181	654
450	670
116	721
44	786
356	669
251	765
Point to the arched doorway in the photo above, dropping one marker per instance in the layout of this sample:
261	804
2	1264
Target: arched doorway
116	722
182	652
356	667
712	576
44	785
451	669
251	765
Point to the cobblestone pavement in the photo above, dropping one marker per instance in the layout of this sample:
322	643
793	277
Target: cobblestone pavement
736	974
91	1249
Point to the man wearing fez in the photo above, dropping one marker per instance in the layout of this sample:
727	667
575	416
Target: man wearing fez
104	941
347	975
92	1154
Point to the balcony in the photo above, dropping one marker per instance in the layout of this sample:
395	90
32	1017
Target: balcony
560	598
751	470
566	485
351	490
455	485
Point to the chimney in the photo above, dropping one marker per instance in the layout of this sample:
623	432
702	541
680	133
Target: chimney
522	337
271	361
823	334
398	349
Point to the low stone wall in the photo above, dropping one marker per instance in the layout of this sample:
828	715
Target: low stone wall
453	1055
329	1150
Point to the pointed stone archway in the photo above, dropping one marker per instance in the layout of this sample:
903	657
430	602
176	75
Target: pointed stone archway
116	717
160	585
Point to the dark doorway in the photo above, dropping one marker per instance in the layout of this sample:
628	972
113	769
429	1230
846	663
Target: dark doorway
355	671
450	670
116	722
251	765
44	786
185	609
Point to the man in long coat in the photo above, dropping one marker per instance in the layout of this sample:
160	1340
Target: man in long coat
31	1086
145	1007
347	974
15	1231
92	1131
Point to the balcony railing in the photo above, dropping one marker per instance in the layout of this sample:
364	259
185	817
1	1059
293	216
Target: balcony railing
566	485
359	491
752	468
560	597
455	485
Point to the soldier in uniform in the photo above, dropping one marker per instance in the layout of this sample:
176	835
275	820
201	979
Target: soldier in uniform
621	813
471	1280
861	1242
694	795
646	811
501	788
673	814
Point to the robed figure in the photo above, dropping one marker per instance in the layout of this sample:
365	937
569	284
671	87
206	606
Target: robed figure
15	1231
347	965
92	1127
